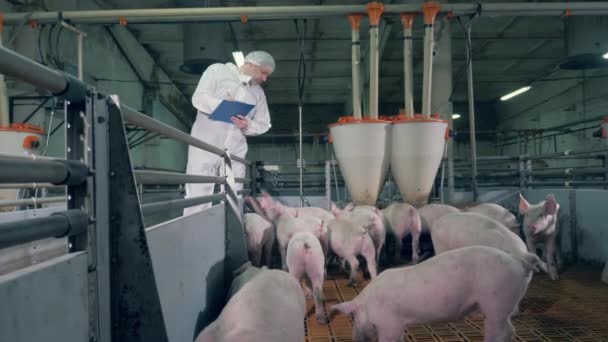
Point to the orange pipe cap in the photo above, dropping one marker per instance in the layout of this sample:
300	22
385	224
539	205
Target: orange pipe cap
374	11
355	20
430	10
407	19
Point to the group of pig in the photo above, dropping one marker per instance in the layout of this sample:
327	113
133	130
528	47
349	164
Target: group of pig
481	266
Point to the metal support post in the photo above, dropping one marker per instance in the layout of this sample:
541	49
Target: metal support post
328	184
573	226
605	163
99	239
253	175
471	98
135	304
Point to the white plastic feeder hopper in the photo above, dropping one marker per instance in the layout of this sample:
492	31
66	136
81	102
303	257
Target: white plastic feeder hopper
362	145
418	140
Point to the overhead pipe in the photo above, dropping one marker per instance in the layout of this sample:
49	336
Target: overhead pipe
374	11
355	21
408	73
159	15
430	10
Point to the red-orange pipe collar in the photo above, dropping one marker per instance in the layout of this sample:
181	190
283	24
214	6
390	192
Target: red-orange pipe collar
374	11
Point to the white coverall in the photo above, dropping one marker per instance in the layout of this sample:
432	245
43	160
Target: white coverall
221	82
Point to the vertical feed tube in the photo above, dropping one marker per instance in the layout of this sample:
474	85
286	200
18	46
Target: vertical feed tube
374	11
355	20
430	10
408	78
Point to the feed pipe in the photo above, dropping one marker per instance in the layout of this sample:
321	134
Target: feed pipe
355	21
408	74
159	15
374	11
430	10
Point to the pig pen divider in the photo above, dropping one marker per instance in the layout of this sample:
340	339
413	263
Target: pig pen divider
110	277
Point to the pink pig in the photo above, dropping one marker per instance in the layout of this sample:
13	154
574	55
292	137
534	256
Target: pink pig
305	260
540	225
447	287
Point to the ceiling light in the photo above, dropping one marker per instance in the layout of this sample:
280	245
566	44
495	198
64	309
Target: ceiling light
455	116
239	59
515	93
605	56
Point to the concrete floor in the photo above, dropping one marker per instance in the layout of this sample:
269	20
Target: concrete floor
574	308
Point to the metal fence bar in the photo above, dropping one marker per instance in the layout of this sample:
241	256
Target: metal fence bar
242	180
10	156
59	83
568	183
173	178
30	186
152	208
32	201
60	224
43	171
138	119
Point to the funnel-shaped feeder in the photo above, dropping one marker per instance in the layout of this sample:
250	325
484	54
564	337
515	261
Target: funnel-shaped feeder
416	151
362	149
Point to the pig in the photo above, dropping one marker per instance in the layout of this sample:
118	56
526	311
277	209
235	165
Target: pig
242	275
269	307
402	219
498	213
364	214
349	238
311	214
304	211
305	259
540	225
287	226
459	230
259	234
447	287
432	212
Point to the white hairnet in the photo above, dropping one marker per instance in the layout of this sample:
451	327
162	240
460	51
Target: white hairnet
260	58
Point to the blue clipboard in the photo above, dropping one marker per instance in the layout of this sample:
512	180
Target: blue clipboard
228	109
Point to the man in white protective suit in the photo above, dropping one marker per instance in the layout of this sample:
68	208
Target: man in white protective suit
227	82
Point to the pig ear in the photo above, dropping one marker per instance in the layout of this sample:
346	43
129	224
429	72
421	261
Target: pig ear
335	210
349	207
346	307
523	204
550	205
265	194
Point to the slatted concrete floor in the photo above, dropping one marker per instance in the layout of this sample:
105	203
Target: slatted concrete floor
573	309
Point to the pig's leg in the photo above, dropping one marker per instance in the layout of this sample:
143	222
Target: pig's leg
531	243
390	330
369	255
498	330
354	268
306	287
550	252
415	246
317	292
